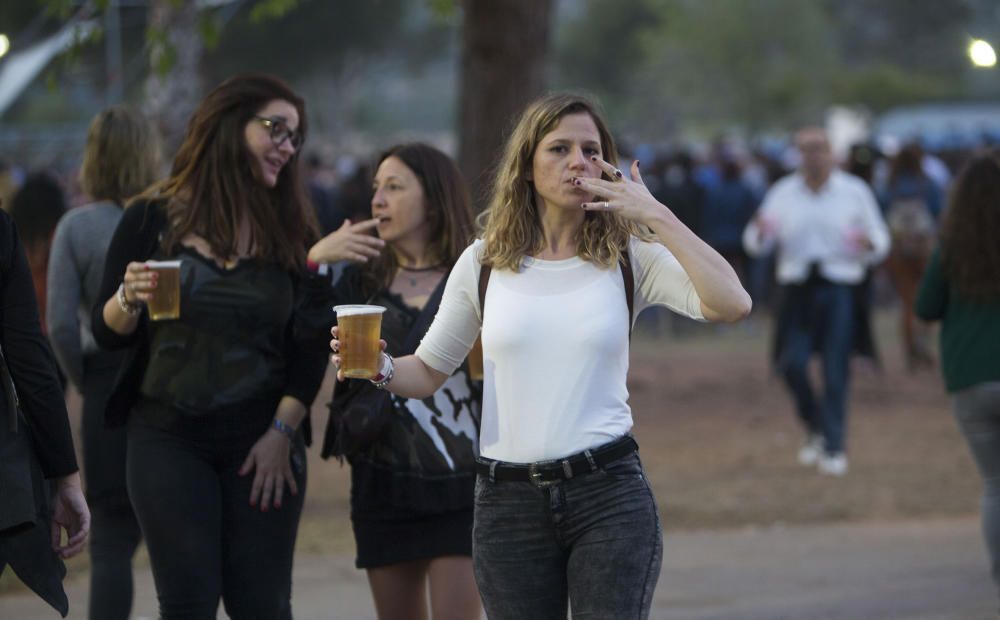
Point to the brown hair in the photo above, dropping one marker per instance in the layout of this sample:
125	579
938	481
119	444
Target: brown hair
969	231
214	182
121	157
511	224
448	210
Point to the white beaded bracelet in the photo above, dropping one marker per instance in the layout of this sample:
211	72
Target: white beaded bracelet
385	373
127	307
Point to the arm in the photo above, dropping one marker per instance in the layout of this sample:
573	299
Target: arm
270	456
353	242
716	283
448	340
932	297
61	313
875	229
760	234
134	240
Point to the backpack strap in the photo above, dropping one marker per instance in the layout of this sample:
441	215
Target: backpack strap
484	281
624	264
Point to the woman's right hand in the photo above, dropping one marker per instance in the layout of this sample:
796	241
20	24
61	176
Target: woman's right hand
335	347
352	242
139	283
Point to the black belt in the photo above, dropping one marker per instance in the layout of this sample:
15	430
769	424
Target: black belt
545	473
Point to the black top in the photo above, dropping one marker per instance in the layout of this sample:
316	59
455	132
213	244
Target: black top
31	363
246	335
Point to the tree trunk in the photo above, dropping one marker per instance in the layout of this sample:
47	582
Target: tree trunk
504	48
172	96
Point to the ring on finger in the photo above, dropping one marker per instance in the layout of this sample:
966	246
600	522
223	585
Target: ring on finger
606	205
619	175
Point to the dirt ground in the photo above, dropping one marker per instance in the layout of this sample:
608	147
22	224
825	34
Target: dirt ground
719	438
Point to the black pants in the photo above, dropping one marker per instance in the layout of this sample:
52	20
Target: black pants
114	532
205	540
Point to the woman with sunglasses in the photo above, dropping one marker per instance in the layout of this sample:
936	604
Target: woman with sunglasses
563	514
216	399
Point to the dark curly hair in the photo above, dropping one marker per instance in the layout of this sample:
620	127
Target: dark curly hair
971	229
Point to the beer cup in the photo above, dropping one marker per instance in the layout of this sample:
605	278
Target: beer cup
166	301
359	328
476	360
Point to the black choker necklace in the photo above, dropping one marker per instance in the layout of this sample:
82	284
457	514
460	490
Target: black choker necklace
419	269
415	270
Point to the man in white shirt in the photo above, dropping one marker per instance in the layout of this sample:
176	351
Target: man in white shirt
827	229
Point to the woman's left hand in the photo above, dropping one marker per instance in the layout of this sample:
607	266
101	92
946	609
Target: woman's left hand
628	198
270	460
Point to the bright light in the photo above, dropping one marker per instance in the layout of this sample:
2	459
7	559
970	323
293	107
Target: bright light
4	45
982	53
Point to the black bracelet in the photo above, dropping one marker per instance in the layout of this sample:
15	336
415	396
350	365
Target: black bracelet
284	429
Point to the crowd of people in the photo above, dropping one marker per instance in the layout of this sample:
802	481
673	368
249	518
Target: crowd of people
195	427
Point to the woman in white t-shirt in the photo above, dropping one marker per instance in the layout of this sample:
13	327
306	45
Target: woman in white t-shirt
563	511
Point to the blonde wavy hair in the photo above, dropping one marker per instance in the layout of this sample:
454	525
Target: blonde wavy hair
511	225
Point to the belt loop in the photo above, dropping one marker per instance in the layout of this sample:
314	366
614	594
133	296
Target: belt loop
493	471
590	459
567	469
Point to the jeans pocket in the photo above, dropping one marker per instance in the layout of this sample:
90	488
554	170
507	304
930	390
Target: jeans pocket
626	468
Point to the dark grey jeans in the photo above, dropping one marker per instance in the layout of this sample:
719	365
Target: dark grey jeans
977	410
593	541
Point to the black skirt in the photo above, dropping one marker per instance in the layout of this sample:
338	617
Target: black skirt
393	539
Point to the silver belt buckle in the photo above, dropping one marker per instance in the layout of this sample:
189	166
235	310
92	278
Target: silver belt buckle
536	477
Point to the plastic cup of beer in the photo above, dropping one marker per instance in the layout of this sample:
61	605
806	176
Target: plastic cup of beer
359	328
476	360
166	301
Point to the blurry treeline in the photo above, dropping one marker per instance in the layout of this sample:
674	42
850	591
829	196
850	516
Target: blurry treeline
382	70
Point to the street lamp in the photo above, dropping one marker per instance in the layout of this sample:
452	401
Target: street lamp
982	55
4	45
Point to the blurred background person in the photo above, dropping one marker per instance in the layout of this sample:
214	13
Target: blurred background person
36	444
412	488
121	158
215	398
912	204
36	208
961	289
827	229
729	205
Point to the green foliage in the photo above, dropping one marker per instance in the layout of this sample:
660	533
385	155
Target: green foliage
265	10
443	9
209	29
882	86
162	52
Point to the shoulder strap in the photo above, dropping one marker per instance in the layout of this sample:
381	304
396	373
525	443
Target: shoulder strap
625	264
484	281
423	321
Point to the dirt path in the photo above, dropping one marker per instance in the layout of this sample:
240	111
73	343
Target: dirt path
912	570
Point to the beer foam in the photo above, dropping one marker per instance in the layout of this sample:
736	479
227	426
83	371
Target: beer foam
354	310
163	264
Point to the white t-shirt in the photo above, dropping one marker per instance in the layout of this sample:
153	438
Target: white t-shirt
819	227
555	346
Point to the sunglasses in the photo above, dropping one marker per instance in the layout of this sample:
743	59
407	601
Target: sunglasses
280	132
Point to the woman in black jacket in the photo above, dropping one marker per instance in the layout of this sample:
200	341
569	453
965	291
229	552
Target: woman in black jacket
217	397
38	447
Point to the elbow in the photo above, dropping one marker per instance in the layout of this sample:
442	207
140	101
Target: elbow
738	309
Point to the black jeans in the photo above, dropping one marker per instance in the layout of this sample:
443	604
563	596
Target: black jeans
114	538
205	540
593	540
114	531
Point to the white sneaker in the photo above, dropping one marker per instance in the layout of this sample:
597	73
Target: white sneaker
833	464
809	454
